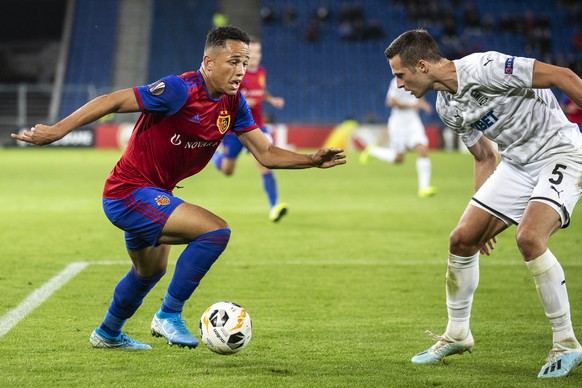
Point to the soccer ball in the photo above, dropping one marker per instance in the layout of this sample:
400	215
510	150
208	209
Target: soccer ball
225	328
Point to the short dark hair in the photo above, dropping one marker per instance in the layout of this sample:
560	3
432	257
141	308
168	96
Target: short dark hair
218	36
412	46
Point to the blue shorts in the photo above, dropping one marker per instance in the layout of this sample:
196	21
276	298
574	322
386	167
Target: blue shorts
142	215
232	146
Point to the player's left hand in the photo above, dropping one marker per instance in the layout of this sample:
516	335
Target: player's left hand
328	157
488	247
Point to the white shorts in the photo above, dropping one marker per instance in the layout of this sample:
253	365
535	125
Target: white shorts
406	132
555	182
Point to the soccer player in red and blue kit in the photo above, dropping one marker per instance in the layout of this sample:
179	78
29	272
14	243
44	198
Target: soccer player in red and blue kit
254	89
183	120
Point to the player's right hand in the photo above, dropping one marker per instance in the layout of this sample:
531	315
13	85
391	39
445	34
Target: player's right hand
39	135
488	247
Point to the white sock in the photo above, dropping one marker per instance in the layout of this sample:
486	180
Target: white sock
550	283
461	282
383	153
423	170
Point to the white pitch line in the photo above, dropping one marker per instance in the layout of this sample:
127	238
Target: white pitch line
12	317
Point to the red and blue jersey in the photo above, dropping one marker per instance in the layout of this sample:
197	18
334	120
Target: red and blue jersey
177	133
253	89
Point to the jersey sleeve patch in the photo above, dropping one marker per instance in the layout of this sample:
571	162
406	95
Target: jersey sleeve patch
166	95
509	65
157	88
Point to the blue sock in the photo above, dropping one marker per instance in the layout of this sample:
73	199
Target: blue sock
217	160
191	267
270	187
127	297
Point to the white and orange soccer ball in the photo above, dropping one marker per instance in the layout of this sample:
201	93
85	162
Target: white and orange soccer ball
225	328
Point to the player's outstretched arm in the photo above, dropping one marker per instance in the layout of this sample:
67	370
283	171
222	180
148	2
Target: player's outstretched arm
273	157
118	102
548	76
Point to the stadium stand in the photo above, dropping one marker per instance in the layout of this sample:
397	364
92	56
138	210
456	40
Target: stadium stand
326	78
325	57
179	30
90	60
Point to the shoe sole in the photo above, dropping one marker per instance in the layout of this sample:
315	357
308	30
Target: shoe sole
98	343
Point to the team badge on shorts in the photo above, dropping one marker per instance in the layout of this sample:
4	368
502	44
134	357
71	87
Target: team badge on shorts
223	122
162	200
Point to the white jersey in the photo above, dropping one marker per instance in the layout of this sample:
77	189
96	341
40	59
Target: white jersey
403	97
405	127
494	98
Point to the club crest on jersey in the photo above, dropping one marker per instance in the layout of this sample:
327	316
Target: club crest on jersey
157	88
162	200
223	121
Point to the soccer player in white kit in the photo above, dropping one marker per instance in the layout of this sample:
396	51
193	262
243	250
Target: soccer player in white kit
405	132
492	97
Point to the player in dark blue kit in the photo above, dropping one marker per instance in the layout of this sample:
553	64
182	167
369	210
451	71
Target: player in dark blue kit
183	120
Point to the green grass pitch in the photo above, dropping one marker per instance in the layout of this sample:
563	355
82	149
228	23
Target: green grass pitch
340	292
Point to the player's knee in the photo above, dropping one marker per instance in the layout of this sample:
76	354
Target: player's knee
530	244
221	224
461	243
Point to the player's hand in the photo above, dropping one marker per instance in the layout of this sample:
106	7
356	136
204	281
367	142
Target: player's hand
277	102
39	135
425	106
328	157
488	247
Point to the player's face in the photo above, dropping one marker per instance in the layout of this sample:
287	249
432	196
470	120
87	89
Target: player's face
413	81
226	67
256	55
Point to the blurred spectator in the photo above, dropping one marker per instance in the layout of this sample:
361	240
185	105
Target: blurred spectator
268	14
539	38
375	30
346	30
472	19
311	33
507	23
289	16
488	23
449	26
323	13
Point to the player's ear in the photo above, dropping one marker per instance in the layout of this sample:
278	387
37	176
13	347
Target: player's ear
422	66
207	62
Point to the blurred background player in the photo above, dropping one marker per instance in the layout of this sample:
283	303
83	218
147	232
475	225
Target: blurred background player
254	88
573	111
405	132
